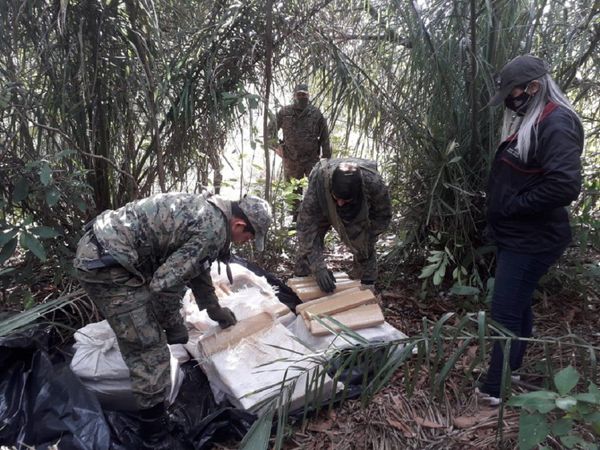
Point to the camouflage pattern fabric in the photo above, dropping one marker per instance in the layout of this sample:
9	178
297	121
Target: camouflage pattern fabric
129	310
163	243
318	214
258	212
305	136
297	169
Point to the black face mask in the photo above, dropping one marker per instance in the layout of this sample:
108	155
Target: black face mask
347	185
518	104
350	210
301	102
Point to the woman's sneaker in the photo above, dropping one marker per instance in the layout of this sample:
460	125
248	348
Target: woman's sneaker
490	399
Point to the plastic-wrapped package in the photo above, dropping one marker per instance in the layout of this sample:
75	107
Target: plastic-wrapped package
255	368
380	333
100	366
248	295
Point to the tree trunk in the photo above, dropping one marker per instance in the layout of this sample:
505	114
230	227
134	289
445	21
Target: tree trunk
473	85
268	78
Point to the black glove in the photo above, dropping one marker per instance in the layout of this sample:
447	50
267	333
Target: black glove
325	280
177	334
224	316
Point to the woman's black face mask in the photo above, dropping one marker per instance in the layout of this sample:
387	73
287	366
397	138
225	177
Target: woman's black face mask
518	104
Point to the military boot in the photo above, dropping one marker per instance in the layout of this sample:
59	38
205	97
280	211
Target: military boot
177	334
154	430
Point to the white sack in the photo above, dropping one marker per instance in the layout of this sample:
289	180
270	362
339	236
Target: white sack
101	368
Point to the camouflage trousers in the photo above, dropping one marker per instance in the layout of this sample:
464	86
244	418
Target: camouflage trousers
138	317
362	268
297	170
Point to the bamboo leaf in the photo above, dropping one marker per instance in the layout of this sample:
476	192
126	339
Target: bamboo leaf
258	435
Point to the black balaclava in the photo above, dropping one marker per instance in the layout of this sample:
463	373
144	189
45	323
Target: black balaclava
301	102
346	184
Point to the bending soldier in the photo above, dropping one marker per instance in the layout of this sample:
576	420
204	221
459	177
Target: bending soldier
305	137
134	264
349	195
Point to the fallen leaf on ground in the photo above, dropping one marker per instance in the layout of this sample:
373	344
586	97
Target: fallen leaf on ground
427	423
406	431
468	421
320	427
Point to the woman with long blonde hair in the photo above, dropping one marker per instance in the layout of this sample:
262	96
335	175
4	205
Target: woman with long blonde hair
535	175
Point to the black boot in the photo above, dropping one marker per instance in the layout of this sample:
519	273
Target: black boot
154	429
177	334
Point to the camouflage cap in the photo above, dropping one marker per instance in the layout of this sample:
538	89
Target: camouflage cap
258	212
301	88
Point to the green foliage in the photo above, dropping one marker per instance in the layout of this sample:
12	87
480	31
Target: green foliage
411	85
436	350
540	408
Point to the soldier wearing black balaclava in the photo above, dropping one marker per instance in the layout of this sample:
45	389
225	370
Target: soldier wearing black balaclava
349	195
305	137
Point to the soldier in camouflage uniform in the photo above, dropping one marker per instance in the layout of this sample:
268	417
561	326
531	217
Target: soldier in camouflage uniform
305	137
135	262
349	195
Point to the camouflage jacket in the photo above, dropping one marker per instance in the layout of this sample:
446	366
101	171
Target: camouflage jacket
169	240
305	133
318	213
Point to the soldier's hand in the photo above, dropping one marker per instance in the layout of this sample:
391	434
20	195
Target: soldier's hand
224	316
325	280
279	151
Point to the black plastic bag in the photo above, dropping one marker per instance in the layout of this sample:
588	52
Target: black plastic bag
195	419
42	403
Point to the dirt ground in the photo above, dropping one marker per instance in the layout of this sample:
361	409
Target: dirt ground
457	419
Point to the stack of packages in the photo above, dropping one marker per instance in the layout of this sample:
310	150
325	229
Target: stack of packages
306	288
253	360
320	316
268	350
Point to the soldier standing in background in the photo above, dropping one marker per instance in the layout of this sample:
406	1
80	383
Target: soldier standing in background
349	195
134	264
305	137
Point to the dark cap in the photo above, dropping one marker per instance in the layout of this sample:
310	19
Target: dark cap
517	72
301	88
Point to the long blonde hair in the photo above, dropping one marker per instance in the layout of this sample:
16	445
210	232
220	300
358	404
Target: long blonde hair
527	125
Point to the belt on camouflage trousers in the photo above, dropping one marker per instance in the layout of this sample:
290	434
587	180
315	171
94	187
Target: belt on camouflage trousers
104	260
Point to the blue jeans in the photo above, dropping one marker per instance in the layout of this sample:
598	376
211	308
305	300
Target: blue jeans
517	276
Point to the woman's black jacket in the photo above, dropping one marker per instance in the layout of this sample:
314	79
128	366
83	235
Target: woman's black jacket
526	202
